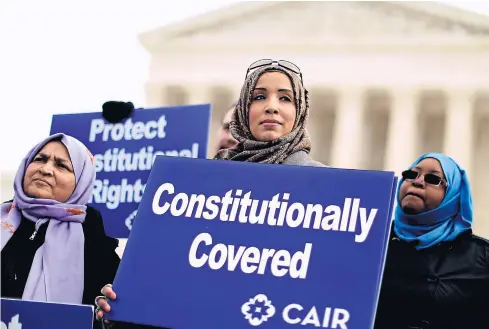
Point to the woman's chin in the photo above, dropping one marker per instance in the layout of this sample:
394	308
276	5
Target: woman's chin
412	208
268	136
39	194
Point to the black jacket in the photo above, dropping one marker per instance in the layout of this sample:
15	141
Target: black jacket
101	260
443	287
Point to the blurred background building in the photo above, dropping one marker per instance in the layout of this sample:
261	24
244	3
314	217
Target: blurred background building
388	80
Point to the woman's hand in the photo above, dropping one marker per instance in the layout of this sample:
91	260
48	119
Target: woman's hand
102	304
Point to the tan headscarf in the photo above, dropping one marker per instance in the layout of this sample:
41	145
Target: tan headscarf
251	150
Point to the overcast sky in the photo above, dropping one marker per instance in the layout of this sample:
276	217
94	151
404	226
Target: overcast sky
69	56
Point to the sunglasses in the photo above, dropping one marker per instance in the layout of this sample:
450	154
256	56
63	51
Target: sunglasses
265	62
431	179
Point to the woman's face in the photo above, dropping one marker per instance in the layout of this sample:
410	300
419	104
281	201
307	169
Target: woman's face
272	110
50	175
225	139
417	196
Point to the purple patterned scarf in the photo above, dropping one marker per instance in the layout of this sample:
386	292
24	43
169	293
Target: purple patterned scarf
57	272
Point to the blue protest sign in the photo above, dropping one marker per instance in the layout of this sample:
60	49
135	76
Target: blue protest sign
22	314
224	244
124	153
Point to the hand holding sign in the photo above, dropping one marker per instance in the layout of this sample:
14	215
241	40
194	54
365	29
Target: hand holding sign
101	301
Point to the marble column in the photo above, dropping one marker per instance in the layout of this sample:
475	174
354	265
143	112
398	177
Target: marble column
458	141
348	132
155	95
401	132
198	94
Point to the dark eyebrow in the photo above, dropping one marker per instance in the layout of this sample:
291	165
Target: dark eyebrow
265	89
65	162
61	160
57	159
431	171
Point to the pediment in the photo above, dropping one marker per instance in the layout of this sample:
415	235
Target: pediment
280	22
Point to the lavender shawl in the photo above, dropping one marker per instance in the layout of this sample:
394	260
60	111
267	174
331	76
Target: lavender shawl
57	272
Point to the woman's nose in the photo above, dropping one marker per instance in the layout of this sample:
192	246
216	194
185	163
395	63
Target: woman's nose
46	169
270	110
272	106
419	181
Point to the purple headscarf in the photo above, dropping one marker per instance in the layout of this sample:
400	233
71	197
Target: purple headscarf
57	271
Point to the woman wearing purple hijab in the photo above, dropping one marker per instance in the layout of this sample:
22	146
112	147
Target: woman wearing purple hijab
53	246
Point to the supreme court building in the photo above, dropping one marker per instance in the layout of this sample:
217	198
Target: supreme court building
388	80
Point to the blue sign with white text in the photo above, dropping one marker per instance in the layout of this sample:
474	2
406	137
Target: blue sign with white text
124	153
225	244
22	314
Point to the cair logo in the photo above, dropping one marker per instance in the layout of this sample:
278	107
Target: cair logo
13	324
260	309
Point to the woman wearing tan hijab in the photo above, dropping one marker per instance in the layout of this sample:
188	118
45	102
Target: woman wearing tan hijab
269	123
270	118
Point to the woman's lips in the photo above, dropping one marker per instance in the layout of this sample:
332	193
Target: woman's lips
42	182
270	123
415	195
